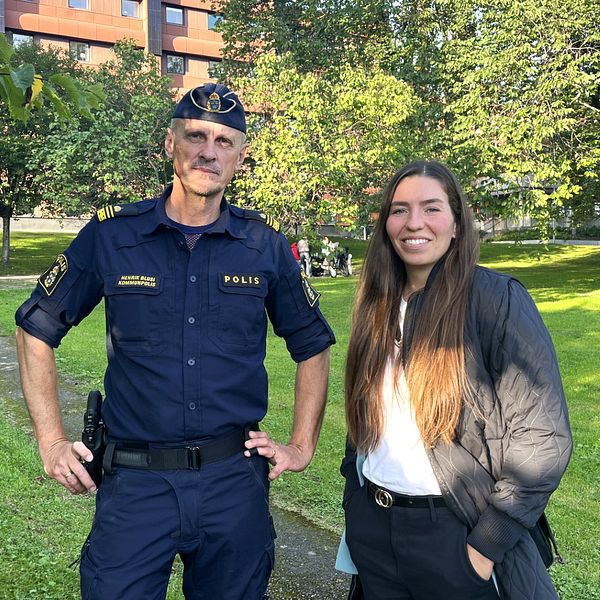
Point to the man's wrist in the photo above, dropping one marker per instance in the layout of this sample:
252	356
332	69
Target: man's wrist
47	445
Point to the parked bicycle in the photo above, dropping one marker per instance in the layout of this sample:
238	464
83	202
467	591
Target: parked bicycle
342	262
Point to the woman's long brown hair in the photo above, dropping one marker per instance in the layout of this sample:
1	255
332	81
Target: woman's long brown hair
436	370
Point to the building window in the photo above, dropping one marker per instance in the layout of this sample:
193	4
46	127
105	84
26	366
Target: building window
18	39
175	64
174	15
130	8
213	65
80	51
213	20
79	4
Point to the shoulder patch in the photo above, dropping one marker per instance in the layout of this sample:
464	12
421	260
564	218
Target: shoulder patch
122	210
51	278
309	291
257	215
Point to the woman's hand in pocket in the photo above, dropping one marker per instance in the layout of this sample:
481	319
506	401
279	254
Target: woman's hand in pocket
483	566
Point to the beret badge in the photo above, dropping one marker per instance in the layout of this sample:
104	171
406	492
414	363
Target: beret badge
214	103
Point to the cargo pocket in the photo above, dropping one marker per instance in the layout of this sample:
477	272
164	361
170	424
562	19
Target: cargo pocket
87	570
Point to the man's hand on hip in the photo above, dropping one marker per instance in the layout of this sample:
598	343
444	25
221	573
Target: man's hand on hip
282	457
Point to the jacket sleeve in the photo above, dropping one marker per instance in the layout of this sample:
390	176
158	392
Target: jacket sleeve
536	444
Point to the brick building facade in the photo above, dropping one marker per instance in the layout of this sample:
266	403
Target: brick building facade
179	32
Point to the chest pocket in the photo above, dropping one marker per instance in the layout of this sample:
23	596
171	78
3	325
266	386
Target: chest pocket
138	309
238	321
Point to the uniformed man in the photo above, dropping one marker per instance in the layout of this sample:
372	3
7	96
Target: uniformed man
188	281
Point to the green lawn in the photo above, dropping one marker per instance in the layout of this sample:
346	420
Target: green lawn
32	253
565	282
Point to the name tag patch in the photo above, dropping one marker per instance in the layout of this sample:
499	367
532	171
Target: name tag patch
241	280
51	278
138	281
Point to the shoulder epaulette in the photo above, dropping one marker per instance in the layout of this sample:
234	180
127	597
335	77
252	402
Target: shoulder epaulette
122	210
257	215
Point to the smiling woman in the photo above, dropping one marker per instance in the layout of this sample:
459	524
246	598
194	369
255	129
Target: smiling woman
420	226
447	361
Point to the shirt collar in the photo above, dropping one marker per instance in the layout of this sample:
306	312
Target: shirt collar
224	224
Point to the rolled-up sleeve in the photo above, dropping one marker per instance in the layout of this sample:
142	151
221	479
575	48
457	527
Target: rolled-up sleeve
66	293
293	308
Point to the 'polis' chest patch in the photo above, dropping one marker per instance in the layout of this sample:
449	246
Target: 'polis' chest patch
246	280
51	278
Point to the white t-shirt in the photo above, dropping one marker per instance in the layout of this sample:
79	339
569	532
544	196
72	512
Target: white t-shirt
399	463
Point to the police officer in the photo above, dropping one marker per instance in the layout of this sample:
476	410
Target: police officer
188	281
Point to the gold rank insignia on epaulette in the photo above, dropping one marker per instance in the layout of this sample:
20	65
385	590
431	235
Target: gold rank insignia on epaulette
107	212
123	210
270	221
263	217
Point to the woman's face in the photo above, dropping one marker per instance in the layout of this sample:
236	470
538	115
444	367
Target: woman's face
421	223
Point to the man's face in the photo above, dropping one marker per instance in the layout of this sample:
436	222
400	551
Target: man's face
205	155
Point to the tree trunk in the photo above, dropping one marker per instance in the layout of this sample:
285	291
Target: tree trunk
5	213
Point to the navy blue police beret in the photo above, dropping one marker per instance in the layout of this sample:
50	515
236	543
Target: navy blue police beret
212	102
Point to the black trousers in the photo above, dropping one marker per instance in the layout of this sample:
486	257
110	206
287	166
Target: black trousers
411	553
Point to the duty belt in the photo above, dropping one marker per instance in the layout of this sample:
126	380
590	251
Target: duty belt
387	499
120	454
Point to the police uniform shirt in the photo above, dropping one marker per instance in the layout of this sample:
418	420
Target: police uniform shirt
186	331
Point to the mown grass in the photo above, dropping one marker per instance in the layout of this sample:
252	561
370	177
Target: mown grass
32	253
565	282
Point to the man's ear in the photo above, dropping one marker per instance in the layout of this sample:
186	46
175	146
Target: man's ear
241	156
169	143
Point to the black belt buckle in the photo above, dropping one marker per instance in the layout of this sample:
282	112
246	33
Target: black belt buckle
194	459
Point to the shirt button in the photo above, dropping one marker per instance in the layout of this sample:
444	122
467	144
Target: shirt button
191	362
192	406
193	278
191	320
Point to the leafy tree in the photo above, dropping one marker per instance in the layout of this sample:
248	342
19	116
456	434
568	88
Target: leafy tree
508	91
319	143
520	97
319	35
36	98
119	156
329	121
22	89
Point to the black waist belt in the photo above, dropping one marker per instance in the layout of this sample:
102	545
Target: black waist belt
185	457
387	499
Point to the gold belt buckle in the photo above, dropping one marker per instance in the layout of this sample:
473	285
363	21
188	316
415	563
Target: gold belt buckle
383	498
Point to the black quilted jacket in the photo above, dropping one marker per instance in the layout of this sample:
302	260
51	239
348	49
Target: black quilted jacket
510	454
